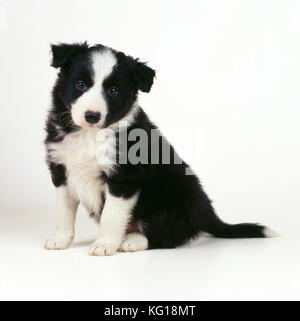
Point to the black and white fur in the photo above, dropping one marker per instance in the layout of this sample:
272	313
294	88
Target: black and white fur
138	206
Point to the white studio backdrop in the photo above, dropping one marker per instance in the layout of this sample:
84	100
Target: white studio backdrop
226	95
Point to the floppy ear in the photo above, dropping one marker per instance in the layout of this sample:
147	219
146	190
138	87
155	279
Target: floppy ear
143	75
62	52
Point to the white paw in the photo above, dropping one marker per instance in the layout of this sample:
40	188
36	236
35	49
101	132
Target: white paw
134	242
58	242
99	248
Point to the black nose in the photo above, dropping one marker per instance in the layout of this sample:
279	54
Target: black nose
92	117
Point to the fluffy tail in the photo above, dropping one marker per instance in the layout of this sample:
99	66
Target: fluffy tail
218	228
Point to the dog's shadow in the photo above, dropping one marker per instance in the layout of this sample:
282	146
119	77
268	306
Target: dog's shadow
81	243
196	243
202	241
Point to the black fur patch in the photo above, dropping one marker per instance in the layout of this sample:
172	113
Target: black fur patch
58	174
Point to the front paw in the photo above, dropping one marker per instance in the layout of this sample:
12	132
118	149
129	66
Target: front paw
58	242
99	248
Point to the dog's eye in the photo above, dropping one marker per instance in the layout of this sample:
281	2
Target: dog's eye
80	85
113	91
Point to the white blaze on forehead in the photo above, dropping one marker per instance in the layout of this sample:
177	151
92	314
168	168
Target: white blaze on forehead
103	63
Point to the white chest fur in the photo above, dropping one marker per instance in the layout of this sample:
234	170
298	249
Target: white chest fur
85	156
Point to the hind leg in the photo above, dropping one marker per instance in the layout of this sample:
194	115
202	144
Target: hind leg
133	242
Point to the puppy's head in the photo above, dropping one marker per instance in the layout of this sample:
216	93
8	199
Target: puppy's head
98	85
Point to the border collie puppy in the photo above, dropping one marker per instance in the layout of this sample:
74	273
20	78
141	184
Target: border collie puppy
147	202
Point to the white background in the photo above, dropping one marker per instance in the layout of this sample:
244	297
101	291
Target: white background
226	95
